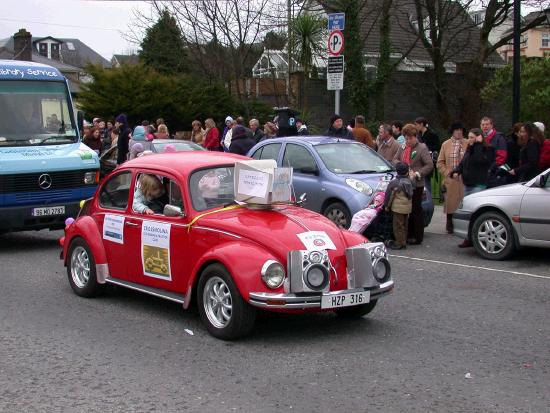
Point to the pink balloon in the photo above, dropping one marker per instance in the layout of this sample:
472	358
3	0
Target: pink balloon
69	221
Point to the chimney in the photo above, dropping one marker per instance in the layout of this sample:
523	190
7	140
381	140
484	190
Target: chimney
22	45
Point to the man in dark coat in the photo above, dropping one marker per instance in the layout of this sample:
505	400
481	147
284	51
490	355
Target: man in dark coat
241	143
124	135
257	132
337	128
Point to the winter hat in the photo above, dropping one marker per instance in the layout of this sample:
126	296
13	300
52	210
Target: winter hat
402	168
334	118
121	118
139	133
540	126
238	131
137	147
228	119
170	148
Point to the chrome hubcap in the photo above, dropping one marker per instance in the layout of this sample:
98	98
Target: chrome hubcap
80	267
338	217
217	302
492	236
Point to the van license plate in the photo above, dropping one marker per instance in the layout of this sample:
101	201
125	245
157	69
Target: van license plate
344	300
41	212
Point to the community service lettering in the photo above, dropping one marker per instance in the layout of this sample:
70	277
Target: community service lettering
30	72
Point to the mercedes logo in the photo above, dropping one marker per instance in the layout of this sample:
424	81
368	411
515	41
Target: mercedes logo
45	181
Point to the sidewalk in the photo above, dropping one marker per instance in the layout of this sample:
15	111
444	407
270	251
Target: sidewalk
437	225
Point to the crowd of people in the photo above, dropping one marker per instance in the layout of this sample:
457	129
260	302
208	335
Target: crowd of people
468	161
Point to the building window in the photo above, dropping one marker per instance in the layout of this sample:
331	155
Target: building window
70	46
523	40
545	39
477	18
55	51
43	49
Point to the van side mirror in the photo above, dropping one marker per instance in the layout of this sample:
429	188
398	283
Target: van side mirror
542	180
80	121
172	211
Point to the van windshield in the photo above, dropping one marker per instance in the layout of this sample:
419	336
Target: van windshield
35	113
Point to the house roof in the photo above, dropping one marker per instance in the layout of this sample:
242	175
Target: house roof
73	51
533	15
130	59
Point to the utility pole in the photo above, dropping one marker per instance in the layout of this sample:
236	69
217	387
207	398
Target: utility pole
289	49
516	62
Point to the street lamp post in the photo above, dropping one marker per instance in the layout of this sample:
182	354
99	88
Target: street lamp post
516	62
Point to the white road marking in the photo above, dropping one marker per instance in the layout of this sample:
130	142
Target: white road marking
472	266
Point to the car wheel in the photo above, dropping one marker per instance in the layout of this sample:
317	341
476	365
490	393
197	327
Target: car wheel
493	236
81	270
356	311
222	309
339	214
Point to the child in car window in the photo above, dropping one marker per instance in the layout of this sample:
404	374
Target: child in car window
148	191
209	185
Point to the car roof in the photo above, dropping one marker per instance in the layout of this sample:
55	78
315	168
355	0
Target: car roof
311	140
183	163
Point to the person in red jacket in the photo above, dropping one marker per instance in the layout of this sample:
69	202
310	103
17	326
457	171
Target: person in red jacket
544	160
212	139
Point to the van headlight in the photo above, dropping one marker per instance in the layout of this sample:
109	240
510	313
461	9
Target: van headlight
273	274
90	177
359	186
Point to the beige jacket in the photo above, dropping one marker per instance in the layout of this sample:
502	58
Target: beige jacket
421	162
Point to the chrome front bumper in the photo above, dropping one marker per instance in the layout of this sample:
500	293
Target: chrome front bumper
303	301
461	223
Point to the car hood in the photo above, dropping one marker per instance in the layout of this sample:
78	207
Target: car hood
47	158
276	229
504	190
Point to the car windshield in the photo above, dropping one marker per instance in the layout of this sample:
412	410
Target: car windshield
211	188
180	146
35	113
351	159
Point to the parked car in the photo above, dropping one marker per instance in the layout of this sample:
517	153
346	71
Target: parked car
339	176
231	260
108	163
500	220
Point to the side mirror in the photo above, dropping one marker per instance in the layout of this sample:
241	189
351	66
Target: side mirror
542	181
173	211
80	121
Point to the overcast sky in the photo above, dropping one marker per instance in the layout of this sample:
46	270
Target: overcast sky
99	24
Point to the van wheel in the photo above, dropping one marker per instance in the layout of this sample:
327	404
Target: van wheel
81	270
222	309
493	236
339	214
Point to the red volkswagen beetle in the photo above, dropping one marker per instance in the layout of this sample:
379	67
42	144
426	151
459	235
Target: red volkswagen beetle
194	244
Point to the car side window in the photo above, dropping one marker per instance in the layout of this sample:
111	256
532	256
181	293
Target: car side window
258	153
114	193
270	151
152	192
175	197
299	158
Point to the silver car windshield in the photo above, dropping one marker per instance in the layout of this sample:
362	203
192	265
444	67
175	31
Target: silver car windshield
353	158
35	113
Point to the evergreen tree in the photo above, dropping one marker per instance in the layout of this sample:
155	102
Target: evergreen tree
163	47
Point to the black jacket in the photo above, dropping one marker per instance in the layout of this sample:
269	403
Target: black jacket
241	144
431	140
343	133
528	161
475	164
122	143
258	135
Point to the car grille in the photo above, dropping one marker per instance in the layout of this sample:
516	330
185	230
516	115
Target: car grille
29	182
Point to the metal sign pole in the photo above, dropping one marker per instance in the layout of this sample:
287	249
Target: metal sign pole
337	102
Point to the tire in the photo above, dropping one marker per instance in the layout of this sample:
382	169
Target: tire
356	311
338	213
493	236
222	309
81	270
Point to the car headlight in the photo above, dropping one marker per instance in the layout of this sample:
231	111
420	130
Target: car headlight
359	186
381	269
90	177
273	274
316	277
378	252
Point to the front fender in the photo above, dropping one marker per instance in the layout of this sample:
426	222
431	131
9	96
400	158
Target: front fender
243	260
85	227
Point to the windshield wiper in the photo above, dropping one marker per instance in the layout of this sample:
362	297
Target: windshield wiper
65	138
364	171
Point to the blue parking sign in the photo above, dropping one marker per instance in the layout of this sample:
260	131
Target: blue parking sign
336	21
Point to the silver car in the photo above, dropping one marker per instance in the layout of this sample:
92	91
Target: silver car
500	220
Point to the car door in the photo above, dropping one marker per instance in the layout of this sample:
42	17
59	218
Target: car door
157	244
305	174
111	219
534	216
269	151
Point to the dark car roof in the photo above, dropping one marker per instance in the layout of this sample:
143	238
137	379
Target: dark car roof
182	163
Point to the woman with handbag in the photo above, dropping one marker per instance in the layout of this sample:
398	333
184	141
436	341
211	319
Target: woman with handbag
452	152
